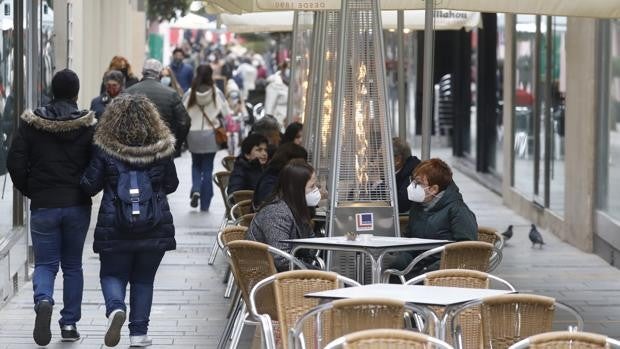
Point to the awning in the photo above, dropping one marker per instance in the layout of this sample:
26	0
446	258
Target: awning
579	8
193	21
414	20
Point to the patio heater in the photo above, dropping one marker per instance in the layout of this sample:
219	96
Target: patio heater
299	65
318	109
361	172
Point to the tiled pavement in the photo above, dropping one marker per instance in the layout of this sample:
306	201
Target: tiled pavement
189	309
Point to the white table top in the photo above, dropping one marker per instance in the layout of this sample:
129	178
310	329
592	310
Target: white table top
366	241
427	295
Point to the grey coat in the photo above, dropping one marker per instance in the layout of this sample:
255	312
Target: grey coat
273	223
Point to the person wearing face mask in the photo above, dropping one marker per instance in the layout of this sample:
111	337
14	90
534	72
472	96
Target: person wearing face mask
437	212
169	80
404	164
183	71
121	64
288	214
249	165
114	83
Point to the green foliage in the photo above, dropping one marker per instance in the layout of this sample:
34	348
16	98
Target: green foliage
166	9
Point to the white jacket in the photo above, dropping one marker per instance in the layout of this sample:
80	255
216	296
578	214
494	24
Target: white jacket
276	98
201	137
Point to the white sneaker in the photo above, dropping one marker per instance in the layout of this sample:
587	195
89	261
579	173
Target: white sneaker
115	324
140	341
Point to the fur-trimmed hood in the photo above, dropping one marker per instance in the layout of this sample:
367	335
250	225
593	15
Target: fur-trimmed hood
60	117
132	130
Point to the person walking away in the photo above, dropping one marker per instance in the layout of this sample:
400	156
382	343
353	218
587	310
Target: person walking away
132	163
114	82
276	94
183	71
168	102
46	159
206	106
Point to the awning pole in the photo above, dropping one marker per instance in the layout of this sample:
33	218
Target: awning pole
427	92
402	101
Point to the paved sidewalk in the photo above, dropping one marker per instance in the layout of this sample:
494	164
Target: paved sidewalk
189	309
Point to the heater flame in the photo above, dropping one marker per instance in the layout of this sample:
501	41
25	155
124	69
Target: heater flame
361	157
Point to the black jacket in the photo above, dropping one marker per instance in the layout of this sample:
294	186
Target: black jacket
49	154
168	104
403	179
265	186
245	174
102	174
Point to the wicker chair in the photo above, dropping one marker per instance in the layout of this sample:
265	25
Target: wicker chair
344	316
469	319
240	195
473	255
228	162
221	181
239	209
251	262
567	340
387	339
507	319
228	234
290	289
246	220
492	236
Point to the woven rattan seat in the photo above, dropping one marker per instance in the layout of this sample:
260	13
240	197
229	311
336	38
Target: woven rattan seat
567	340
240	208
246	220
221	181
241	195
387	339
228	162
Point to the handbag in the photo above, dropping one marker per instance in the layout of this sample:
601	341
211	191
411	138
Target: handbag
221	138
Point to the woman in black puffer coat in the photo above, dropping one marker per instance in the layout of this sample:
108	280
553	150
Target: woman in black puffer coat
131	136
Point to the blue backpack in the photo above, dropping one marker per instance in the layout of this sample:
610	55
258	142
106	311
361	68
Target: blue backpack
138	205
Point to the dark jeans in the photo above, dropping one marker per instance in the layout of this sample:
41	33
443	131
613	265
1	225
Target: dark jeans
202	182
58	236
138	269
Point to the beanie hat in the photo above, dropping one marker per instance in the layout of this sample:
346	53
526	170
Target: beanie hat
65	84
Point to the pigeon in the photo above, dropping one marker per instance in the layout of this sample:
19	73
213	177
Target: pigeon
508	233
535	237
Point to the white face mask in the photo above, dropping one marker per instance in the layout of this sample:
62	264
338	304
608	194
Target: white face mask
166	80
313	197
415	193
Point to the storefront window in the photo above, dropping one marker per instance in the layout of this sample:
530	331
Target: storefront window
609	186
497	156
7	112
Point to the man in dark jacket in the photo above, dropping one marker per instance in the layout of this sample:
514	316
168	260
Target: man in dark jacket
249	165
114	83
404	164
166	99
46	160
183	71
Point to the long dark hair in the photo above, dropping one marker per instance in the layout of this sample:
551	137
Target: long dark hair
291	189
291	132
204	76
285	153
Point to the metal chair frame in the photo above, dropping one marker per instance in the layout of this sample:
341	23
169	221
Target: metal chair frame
568	335
382	333
401	273
228	162
454	313
240	315
296	335
239	206
215	248
265	320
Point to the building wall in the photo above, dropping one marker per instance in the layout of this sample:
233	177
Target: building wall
101	30
577	225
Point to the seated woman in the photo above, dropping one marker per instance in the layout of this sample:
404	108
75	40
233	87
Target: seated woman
268	180
249	165
437	212
293	133
287	214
